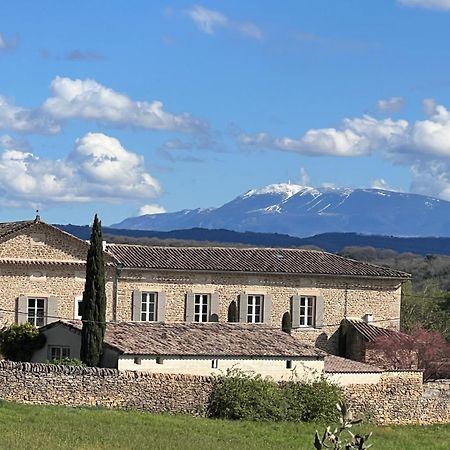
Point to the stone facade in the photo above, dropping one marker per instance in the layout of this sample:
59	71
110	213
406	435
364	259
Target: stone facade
397	398
41	261
342	297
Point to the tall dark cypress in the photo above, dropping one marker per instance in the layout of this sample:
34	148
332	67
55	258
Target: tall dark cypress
94	300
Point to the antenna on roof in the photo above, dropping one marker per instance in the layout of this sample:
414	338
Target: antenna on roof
38	217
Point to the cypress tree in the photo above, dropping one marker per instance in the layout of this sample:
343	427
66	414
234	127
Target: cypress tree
286	322
232	312
94	300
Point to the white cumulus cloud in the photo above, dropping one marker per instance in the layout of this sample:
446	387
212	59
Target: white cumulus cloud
208	21
90	100
23	120
423	145
151	209
356	137
98	168
428	4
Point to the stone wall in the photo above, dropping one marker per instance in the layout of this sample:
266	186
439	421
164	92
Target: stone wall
343	297
398	398
401	398
75	386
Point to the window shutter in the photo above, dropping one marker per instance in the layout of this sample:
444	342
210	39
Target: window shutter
137	304
22	309
318	323
243	307
295	311
267	314
214	308
52	310
189	310
161	313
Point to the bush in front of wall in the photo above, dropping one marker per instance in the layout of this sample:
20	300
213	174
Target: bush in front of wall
19	342
237	395
241	396
311	400
67	362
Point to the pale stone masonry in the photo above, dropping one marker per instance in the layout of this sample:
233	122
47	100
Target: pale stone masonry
396	398
42	271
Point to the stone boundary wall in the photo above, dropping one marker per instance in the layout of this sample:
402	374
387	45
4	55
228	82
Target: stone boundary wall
398	398
50	384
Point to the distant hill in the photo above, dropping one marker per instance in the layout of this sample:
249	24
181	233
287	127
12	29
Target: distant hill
301	211
332	242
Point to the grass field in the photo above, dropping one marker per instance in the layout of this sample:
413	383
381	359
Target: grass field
51	427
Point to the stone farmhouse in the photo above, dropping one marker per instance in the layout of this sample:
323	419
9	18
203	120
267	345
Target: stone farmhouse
42	271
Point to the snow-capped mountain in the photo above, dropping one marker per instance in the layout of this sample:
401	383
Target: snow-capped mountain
305	211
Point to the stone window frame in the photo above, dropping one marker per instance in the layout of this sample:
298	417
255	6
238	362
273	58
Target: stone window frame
149	306
202	307
212	304
266	307
255	308
299	311
136	313
50	312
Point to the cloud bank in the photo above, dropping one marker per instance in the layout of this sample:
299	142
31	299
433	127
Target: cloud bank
98	168
423	145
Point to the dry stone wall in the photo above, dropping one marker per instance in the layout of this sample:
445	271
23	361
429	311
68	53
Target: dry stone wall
398	398
76	386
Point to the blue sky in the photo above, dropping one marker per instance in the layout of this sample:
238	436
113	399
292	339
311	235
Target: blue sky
119	107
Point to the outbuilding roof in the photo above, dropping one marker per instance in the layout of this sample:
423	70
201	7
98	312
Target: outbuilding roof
259	260
200	339
372	332
336	364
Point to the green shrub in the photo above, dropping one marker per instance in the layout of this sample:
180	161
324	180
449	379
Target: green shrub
237	395
19	342
240	396
67	362
312	400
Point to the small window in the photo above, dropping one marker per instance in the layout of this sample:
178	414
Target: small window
201	307
214	363
56	352
255	308
307	311
36	311
78	307
289	364
137	360
159	360
149	306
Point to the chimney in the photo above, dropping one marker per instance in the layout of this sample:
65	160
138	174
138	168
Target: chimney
368	317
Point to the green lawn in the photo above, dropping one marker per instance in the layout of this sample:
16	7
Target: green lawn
51	427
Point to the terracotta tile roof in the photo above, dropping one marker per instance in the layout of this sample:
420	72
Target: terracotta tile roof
11	227
200	339
227	259
372	332
336	364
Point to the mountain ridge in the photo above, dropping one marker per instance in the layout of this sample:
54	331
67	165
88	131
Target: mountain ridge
303	211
